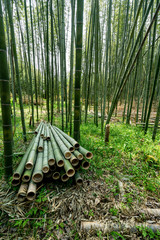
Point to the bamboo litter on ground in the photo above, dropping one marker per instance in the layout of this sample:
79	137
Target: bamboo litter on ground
51	154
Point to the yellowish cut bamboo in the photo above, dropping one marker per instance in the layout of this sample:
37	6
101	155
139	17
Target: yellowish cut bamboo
31	193
73	160
21	195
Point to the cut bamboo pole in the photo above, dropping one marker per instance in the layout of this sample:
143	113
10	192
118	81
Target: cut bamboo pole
40	145
32	155
68	145
68	168
22	192
56	175
57	152
85	152
47	133
70	139
64	177
85	164
51	157
78	179
37	129
31	193
62	146
17	174
74	161
37	173
27	175
15	182
78	155
45	166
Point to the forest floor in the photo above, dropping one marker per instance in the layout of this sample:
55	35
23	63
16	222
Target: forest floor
120	194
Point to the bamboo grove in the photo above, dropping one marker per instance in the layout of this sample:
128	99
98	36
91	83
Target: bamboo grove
82	56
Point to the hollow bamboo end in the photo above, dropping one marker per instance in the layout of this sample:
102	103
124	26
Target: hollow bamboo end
29	166
70	172
76	145
21	197
56	175
67	155
60	163
15	182
25	178
48	138
71	149
40	149
64	178
16	176
85	165
79	181
89	155
31	196
80	157
74	162
45	169
51	162
37	177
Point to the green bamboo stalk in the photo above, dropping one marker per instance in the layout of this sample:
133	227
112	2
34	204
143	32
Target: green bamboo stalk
29	61
8	7
5	102
78	69
15	182
56	175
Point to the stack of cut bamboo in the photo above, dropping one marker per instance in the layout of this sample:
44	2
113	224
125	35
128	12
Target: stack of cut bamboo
51	154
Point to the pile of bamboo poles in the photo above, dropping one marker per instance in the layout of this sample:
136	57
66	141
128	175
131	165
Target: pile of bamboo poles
51	154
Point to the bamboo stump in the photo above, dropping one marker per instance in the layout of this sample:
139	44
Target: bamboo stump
107	131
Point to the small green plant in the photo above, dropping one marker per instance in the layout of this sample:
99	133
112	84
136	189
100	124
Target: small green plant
99	234
91	213
113	211
147	233
117	235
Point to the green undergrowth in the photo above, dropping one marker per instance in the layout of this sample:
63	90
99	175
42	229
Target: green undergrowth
129	152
